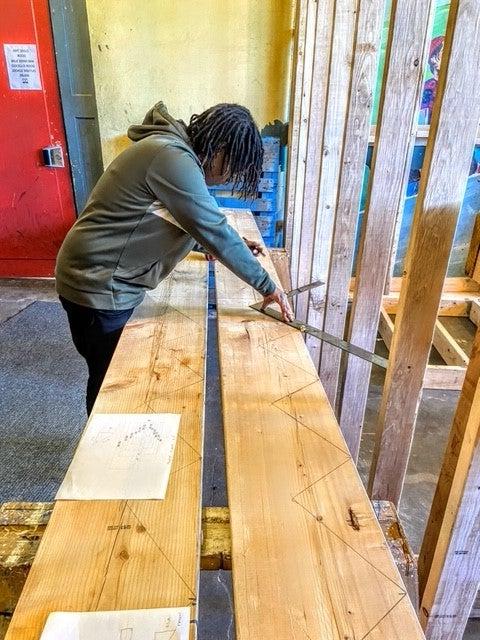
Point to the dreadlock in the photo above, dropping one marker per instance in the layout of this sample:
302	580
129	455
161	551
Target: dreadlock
230	128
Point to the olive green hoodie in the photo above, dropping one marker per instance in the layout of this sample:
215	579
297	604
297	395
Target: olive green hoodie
146	213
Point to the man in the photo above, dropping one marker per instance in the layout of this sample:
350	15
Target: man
151	208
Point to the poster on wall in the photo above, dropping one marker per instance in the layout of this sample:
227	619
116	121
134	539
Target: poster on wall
22	67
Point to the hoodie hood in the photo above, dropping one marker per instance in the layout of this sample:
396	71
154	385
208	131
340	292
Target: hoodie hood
158	121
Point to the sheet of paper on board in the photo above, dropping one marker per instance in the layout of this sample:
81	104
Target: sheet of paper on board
122	456
141	624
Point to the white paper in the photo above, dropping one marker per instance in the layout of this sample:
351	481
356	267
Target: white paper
122	456
141	624
22	66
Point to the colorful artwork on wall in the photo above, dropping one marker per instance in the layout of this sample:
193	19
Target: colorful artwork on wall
471	203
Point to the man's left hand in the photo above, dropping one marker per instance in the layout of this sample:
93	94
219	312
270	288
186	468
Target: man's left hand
255	247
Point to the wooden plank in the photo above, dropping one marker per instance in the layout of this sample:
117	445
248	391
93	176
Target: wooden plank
472	267
450	285
296	123
298	168
444	377
337	81
398	544
282	267
216	550
449	561
385	328
443	341
448	347
21	529
308	556
451	304
475	312
135	554
445	171
312	305
407	47
22	526
302	257
436	376
352	167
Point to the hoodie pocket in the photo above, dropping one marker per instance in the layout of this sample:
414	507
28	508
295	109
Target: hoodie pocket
145	275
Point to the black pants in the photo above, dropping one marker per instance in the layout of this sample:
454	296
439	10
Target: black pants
95	334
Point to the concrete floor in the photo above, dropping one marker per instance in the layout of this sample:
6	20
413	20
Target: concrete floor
434	420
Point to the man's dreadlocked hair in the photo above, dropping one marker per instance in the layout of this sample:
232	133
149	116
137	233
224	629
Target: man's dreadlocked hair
230	128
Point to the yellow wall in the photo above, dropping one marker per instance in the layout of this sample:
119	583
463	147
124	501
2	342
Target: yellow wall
191	54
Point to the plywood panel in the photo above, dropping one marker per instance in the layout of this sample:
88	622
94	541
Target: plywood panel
135	554
309	559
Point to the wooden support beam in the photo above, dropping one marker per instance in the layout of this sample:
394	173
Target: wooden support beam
442	186
309	559
109	555
448	347
444	377
472	263
436	376
385	328
451	304
443	341
475	312
449	561
450	285
333	299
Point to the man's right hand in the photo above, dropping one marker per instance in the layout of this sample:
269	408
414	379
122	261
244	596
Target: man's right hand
281	299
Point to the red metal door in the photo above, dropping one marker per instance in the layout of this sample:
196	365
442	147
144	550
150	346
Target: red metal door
36	201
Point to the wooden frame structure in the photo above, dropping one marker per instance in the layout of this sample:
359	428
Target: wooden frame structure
323	246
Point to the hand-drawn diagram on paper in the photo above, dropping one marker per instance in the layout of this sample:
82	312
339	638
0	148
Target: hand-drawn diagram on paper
141	624
122	456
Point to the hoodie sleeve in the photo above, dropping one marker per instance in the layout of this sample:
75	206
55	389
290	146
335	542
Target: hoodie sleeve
176	179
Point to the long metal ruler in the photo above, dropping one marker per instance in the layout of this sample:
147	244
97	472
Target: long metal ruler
322	335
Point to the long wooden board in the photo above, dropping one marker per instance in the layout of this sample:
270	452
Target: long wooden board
309	559
135	554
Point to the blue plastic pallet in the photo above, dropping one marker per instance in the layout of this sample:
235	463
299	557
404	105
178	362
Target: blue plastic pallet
265	207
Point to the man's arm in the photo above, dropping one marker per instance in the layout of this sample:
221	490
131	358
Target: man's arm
177	180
